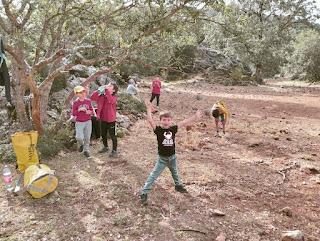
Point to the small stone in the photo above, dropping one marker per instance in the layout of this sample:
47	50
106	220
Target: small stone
311	170
276	138
286	211
289	139
296	235
188	128
221	237
254	145
217	212
62	154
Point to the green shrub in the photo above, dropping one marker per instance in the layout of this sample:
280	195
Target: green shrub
51	142
129	104
6	153
182	62
304	61
59	83
120	133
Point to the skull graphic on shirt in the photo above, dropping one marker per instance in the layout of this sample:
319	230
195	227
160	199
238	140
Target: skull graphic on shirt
167	141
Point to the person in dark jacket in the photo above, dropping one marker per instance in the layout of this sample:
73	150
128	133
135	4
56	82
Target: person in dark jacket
4	74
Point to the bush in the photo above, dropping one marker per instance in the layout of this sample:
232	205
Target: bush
52	142
233	78
305	58
182	61
129	104
6	153
59	83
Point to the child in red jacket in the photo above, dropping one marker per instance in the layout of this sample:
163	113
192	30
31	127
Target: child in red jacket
82	111
156	89
106	99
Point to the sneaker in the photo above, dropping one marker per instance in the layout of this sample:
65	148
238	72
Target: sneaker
181	189
81	148
86	153
104	150
144	198
113	153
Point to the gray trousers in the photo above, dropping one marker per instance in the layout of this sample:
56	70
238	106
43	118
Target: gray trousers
83	133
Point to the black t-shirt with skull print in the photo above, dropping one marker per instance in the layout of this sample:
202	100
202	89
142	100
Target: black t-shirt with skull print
166	140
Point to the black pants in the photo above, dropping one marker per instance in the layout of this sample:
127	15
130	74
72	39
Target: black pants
155	96
96	132
109	127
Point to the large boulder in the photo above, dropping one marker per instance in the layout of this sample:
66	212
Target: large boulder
123	121
83	71
209	58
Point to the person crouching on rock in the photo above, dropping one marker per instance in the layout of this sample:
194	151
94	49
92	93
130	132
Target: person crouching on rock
82	111
220	114
106	100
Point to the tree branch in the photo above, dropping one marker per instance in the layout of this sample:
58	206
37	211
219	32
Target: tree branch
13	53
23	6
9	14
4	25
27	16
60	53
50	78
40	41
85	83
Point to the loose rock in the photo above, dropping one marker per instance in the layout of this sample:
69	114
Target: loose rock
296	235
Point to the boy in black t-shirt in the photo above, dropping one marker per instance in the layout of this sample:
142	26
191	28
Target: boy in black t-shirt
165	132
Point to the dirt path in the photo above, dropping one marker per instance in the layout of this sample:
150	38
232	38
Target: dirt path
238	174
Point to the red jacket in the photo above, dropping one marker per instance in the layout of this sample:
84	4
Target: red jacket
81	116
107	106
156	86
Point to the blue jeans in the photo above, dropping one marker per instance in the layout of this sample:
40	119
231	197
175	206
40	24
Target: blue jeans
162	163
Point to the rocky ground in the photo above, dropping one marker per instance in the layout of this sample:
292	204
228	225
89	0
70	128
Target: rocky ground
259	180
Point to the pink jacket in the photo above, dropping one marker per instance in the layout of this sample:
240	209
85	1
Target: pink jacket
107	106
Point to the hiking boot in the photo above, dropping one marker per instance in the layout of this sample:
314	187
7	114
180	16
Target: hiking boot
144	198
104	150
86	153
80	148
113	154
181	189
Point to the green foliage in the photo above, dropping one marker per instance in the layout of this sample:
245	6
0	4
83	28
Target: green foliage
129	104
182	61
305	57
59	83
7	154
236	76
258	32
52	142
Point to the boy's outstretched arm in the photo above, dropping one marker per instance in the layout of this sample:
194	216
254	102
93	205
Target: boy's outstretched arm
149	114
188	121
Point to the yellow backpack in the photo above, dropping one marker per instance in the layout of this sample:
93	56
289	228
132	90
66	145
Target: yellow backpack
24	146
39	180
